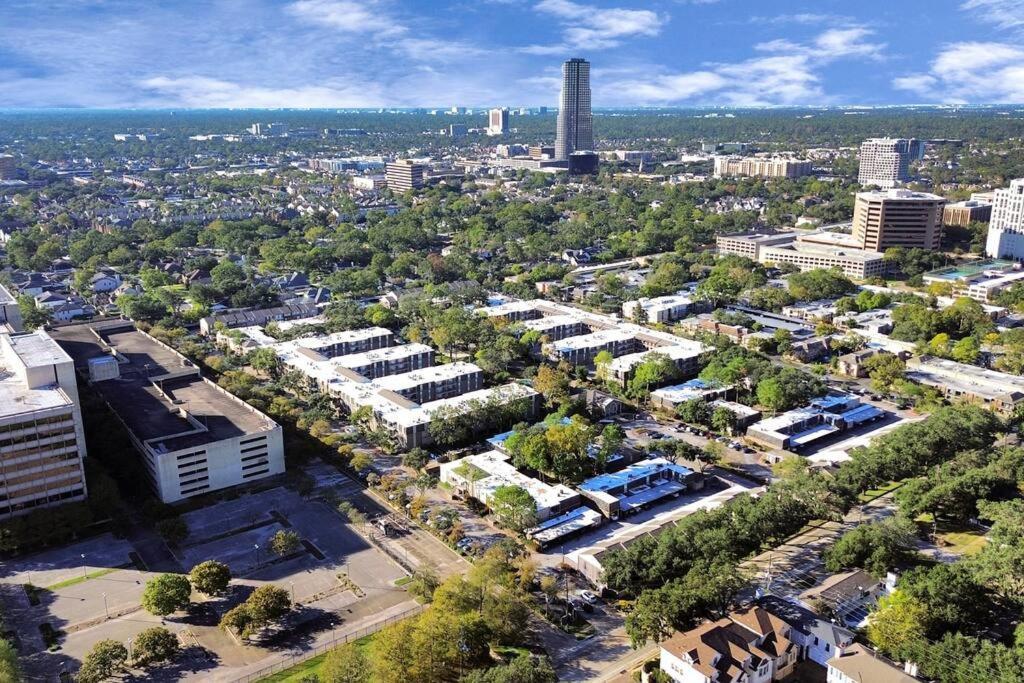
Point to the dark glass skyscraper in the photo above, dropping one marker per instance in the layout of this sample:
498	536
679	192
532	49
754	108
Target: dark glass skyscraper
575	124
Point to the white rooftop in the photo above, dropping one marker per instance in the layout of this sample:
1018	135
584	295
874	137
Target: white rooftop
501	472
358	360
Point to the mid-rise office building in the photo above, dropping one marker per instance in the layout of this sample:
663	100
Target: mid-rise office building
1006	229
898	218
42	441
962	214
575	128
885	162
497	121
541	151
761	168
269	129
192	436
405	174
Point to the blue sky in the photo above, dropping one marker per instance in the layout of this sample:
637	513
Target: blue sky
368	53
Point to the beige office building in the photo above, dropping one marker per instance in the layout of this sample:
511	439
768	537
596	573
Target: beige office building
898	218
961	214
497	121
885	162
759	167
42	442
404	174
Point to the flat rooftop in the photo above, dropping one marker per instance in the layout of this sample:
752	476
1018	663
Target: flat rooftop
153	415
6	297
635	472
358	360
963	378
679	393
38	350
16	398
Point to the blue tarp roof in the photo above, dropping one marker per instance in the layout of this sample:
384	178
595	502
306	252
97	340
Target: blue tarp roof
861	413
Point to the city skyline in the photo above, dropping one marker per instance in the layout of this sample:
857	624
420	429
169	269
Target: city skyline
392	53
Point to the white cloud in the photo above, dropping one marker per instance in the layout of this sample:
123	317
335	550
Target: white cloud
1005	14
367	17
970	72
787	75
199	91
595	28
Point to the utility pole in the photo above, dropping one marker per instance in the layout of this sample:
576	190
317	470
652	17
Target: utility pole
768	574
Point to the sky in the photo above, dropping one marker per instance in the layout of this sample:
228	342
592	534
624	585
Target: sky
440	53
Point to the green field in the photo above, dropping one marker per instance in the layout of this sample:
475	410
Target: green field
871	494
296	673
79	579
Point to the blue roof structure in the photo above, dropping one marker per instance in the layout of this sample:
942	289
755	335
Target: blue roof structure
633	473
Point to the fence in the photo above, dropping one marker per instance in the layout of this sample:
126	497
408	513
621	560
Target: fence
288	661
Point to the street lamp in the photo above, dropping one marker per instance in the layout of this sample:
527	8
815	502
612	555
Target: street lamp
130	650
84	574
257	546
105	610
293	591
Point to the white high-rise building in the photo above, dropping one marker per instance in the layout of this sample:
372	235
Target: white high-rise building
497	121
885	162
1006	229
42	442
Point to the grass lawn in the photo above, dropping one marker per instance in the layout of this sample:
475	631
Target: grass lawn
871	494
404	580
80	579
963	542
311	666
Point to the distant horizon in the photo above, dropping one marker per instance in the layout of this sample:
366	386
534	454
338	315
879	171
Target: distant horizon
367	54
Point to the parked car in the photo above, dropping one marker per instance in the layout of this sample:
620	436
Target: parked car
588	596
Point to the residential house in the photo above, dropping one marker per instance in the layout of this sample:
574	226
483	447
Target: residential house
849	595
294	280
104	282
855	364
817	638
859	664
752	646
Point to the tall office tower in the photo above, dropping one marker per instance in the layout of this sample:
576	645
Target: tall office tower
898	218
575	132
42	442
404	174
8	167
885	162
497	122
1006	229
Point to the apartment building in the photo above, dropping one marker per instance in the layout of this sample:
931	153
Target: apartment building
760	167
344	343
405	174
856	264
391	360
998	390
555	327
659	309
42	441
885	162
898	218
1006	229
193	437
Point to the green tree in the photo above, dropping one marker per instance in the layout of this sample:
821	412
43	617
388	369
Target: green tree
344	664
523	669
696	411
898	624
9	669
268	604
723	420
265	360
514	507
105	659
155	645
885	371
166	594
210	577
285	542
876	547
551	383
173	529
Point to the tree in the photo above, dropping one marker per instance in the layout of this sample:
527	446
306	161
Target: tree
710	455
696	411
514	507
655	370
885	371
523	669
265	360
360	461
166	594
897	624
416	458
105	659
876	547
285	542
210	577
155	645
551	383
344	664
9	669
267	604
423	583
723	420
